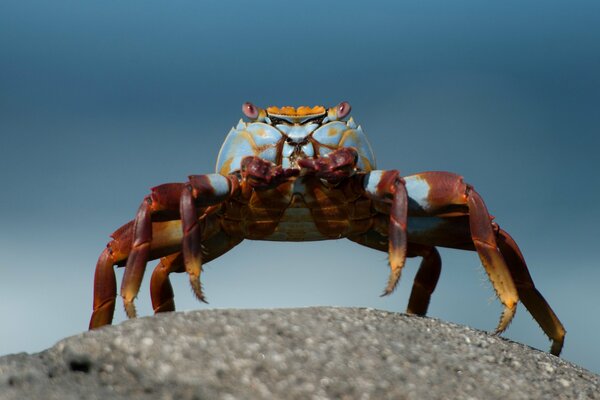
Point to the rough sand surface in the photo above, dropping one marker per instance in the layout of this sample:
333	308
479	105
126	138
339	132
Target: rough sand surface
308	353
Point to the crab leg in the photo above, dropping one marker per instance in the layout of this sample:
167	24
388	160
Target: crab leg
498	271
427	276
191	245
426	279
105	291
384	186
162	198
441	194
202	190
215	242
532	299
161	290
166	239
168	199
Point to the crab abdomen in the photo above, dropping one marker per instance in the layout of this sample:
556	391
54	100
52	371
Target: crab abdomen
303	209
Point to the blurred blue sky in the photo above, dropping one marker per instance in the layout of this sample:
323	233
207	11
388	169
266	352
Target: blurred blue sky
101	101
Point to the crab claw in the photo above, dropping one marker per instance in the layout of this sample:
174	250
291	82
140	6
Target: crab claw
264	174
333	167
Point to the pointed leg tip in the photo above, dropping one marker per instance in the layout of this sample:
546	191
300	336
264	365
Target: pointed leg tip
556	348
200	294
391	286
201	297
197	289
506	318
130	309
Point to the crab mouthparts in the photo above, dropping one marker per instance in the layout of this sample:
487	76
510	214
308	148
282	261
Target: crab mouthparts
296	155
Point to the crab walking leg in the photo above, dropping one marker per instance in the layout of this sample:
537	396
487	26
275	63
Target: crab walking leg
532	299
426	279
484	240
215	242
397	234
162	198
105	291
381	186
202	190
191	245
166	240
427	276
161	291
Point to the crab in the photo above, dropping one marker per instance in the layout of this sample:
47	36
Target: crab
304	174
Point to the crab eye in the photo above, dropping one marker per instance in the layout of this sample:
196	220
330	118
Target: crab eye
250	110
343	109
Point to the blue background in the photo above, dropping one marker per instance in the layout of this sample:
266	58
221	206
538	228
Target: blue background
99	101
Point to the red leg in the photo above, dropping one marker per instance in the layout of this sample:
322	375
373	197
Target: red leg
162	198
532	299
169	201
166	239
105	285
105	291
161	290
426	279
427	276
191	245
202	190
387	190
445	194
397	233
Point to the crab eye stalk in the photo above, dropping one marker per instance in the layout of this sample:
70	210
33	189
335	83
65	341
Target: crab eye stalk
250	110
343	109
339	112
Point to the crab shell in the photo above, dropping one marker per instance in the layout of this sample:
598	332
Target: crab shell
283	135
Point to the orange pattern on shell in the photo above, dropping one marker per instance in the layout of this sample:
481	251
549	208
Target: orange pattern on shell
300	111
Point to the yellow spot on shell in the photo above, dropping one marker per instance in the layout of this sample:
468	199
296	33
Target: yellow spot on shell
349	134
367	164
332	131
260	132
226	167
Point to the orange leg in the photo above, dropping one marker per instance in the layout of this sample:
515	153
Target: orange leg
426	279
498	271
532	299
